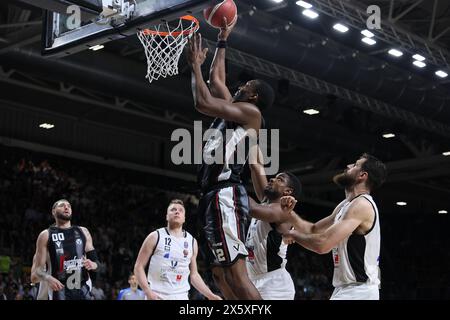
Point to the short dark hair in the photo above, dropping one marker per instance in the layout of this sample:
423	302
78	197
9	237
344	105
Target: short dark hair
294	184
176	201
130	275
265	93
56	202
376	170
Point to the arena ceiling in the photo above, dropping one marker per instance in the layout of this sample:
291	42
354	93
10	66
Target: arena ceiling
110	110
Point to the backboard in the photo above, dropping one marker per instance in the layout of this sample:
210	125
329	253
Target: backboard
73	31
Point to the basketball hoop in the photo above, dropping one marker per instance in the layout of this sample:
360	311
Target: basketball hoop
164	44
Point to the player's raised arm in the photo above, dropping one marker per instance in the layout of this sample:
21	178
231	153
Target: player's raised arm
217	72
258	173
244	113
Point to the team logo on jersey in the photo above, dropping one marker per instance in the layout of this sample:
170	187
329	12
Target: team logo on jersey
185	253
166	255
336	257
173	264
251	255
179	277
78	242
73	264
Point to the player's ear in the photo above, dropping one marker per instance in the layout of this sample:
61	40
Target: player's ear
253	97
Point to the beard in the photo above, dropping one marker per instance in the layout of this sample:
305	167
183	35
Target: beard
240	96
61	216
344	180
271	194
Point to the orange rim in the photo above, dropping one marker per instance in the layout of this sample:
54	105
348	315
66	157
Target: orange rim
176	33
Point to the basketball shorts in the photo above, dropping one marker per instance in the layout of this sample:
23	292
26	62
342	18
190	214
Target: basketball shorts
356	292
223	217
274	285
74	294
175	296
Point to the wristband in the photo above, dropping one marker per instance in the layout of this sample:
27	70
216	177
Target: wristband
221	44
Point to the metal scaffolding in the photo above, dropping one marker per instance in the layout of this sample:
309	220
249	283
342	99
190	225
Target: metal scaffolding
321	87
390	31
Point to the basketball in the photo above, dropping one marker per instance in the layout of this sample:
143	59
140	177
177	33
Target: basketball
214	14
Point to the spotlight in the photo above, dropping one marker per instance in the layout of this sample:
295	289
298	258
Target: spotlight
368	41
441	74
367	33
340	27
310	14
395	53
304	4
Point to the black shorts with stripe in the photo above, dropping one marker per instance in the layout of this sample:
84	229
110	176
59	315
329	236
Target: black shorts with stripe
224	217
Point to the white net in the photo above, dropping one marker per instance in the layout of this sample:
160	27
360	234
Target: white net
163	46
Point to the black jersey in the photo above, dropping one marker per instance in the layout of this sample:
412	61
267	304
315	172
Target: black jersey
223	145
66	249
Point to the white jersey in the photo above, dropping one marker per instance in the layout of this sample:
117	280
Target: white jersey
168	271
356	258
266	249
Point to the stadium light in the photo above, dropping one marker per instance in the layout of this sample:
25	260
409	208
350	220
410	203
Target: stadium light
310	14
401	203
419	64
340	27
368	41
418	57
97	47
367	33
395	53
441	74
304	4
311	111
46	126
388	135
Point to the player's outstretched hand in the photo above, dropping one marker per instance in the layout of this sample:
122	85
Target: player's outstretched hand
196	54
226	29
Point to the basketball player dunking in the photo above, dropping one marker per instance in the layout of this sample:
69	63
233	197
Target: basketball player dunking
352	232
69	254
223	208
